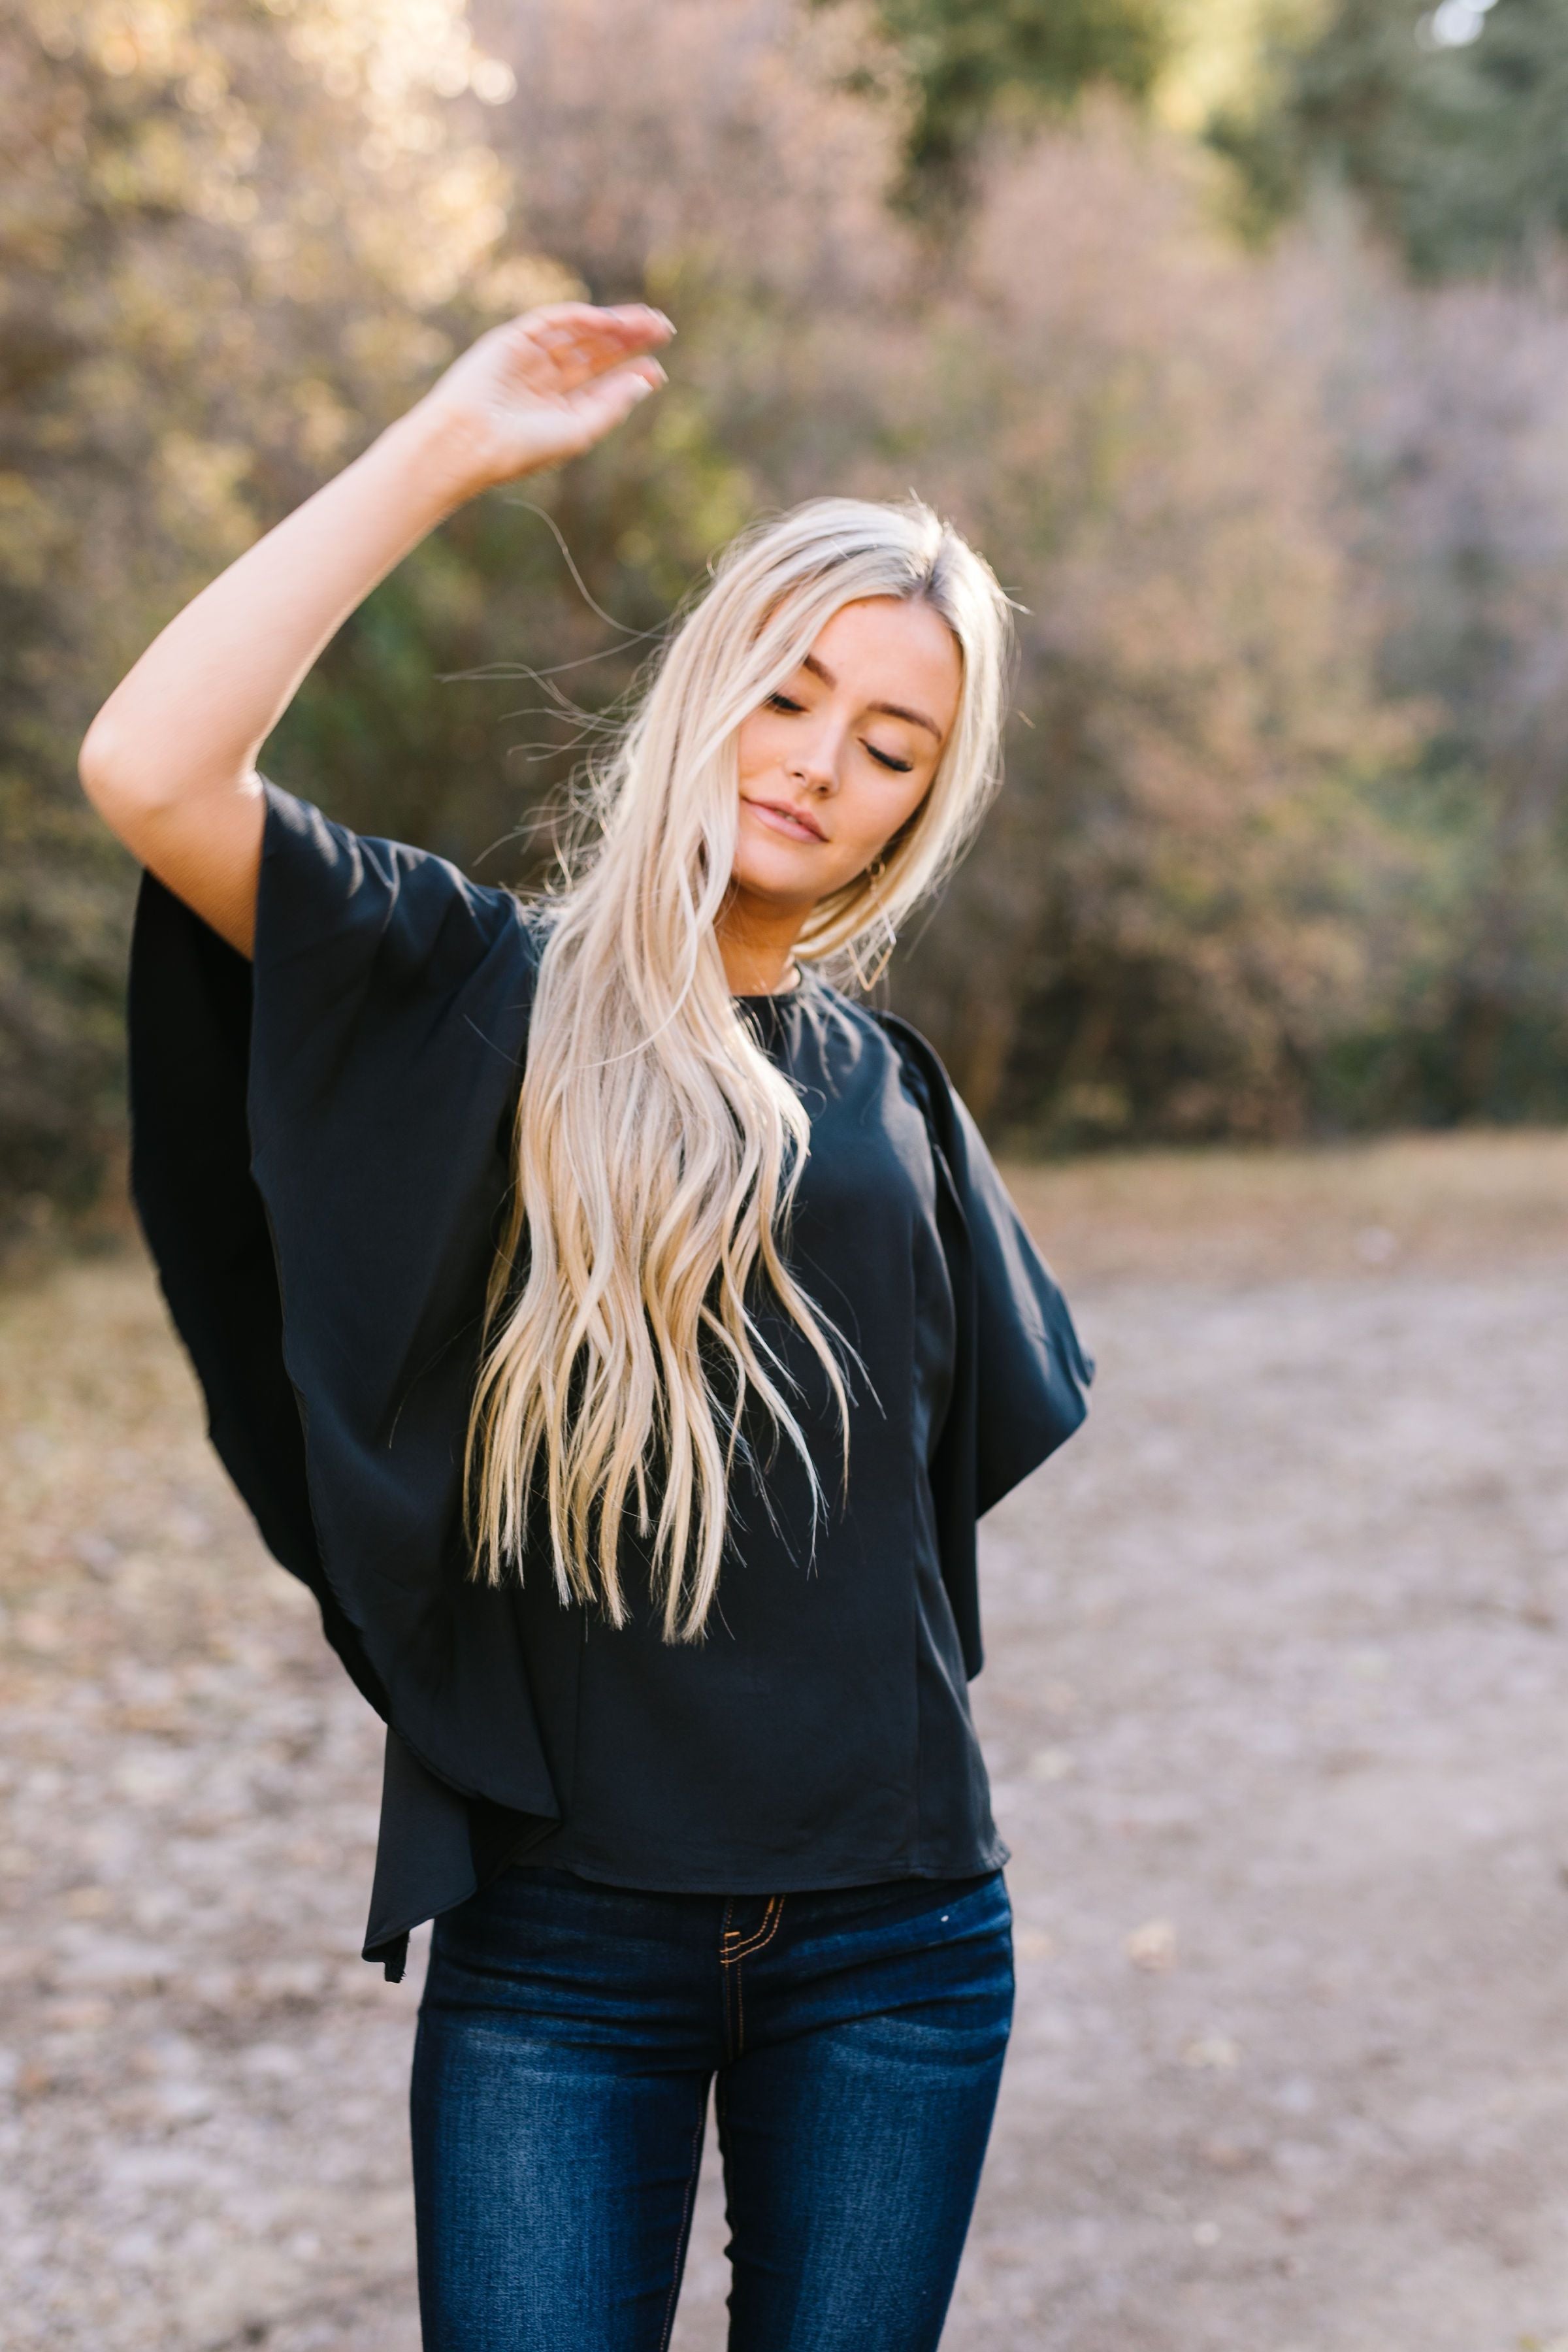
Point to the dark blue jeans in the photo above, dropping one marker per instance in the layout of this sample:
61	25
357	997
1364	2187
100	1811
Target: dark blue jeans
567	2038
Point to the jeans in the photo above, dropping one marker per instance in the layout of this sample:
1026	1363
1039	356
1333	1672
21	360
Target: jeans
567	2038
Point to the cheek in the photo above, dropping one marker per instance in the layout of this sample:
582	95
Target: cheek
756	749
872	810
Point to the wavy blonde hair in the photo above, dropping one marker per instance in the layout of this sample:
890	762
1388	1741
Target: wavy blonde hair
657	1147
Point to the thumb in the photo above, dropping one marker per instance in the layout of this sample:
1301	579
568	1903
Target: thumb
608	400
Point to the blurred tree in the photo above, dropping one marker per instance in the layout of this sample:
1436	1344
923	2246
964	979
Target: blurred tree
1442	128
1181	904
1449	409
962	68
1283	836
1446	122
227	235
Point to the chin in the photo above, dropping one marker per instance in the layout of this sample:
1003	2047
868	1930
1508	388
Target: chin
788	874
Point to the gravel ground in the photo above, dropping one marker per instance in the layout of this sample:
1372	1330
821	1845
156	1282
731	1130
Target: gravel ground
1274	1711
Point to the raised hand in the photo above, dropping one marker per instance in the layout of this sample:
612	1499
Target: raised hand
542	388
170	760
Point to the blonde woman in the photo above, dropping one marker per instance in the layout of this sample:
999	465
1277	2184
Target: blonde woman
620	1326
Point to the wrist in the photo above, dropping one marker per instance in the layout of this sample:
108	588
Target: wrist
431	460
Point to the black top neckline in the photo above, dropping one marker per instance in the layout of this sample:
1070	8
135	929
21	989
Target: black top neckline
772	1015
802	985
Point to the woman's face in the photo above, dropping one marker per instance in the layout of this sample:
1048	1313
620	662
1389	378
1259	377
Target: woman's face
833	763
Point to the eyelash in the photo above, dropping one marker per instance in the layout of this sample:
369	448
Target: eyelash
897	767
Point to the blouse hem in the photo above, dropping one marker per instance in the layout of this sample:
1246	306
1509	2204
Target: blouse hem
807	1882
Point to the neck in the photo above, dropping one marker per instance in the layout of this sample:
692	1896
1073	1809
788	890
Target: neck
757	944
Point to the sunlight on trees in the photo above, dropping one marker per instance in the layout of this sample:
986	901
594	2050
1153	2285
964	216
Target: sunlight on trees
225	235
1284	841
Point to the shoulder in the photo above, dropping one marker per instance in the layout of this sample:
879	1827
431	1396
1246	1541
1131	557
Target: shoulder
874	1022
910	1046
927	1076
360	898
901	1045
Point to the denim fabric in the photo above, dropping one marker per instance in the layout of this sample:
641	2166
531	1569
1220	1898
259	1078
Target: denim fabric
568	2036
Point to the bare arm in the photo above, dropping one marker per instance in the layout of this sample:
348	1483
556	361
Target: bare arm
169	761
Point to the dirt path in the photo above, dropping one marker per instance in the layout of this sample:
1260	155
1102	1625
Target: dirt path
1275	1715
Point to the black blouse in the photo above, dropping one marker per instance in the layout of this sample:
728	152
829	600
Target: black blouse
320	1150
821	1734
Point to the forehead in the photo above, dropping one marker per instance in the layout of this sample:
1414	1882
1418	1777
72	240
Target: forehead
892	648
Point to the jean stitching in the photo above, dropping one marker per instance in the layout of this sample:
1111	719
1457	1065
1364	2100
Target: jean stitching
681	2242
763	1936
725	1979
772	1919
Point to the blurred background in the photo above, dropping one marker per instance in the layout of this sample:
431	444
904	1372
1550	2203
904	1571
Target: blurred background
1235	333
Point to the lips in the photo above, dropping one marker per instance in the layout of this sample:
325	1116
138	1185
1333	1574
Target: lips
793	823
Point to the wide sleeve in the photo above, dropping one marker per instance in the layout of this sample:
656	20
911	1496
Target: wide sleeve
321	1159
1024	1375
1032	1370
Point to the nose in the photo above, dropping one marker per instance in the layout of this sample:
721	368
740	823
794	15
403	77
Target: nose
814	756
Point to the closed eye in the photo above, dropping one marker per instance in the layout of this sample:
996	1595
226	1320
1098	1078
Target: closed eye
787	702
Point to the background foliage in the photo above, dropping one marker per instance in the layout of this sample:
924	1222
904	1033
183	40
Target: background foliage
1262	427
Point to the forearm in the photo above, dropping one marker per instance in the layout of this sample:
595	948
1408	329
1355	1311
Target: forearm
190	718
170	760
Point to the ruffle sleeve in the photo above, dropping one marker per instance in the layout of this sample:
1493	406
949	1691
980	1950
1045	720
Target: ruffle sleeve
321	1155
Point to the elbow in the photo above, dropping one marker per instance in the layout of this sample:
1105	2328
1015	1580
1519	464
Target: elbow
104	772
128	792
132	786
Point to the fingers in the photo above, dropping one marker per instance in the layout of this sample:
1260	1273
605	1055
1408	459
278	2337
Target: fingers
606	401
579	339
626	318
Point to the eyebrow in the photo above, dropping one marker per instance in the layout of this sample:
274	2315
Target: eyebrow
891	709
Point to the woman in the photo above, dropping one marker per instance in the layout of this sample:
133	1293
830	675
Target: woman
620	1329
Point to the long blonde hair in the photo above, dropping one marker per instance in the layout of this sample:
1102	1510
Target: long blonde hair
657	1148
